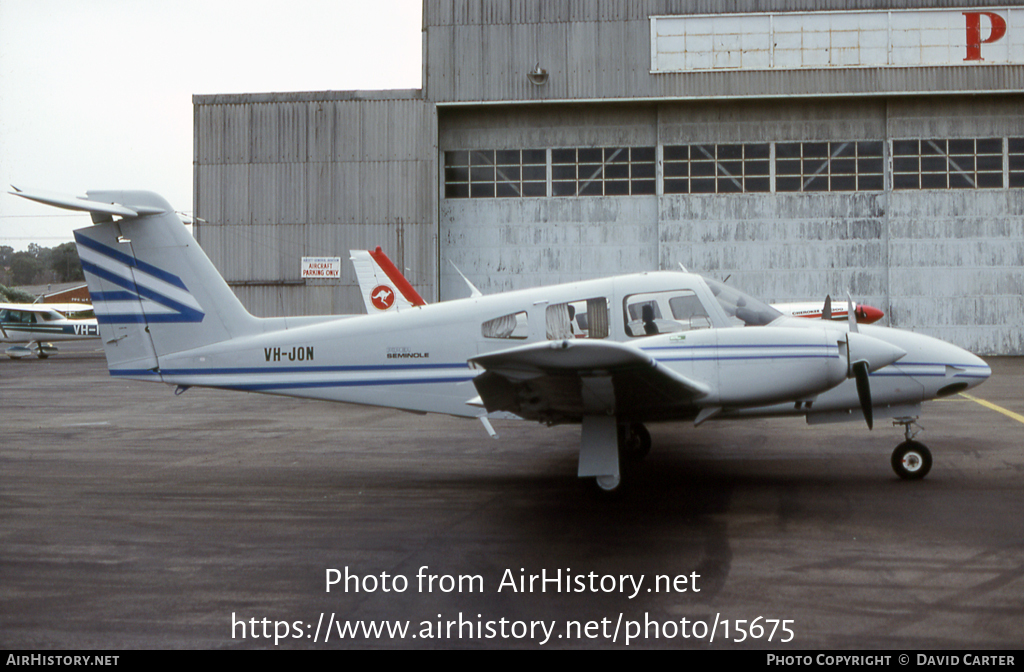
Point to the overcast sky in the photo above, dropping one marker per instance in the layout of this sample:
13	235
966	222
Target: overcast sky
98	94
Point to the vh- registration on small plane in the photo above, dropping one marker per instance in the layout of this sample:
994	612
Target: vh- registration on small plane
590	352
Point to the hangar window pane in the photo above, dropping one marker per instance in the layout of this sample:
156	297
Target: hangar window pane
871	182
721	169
828	166
642	155
616	188
948	164
677	153
532	189
617	171
642	170
1016	147
485	190
906	181
647	187
603	171
755	184
535	157
489	173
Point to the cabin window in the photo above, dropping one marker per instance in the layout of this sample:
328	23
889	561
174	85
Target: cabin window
18	316
513	325
653	313
586	318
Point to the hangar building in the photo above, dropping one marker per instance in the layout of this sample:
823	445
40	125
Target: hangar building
802	147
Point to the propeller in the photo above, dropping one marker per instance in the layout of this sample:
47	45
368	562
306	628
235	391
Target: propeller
860	372
859	369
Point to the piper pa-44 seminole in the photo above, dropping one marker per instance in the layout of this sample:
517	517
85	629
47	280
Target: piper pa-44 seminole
166	315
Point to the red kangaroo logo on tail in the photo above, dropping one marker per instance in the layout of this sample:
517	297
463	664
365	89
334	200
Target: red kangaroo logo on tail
383	297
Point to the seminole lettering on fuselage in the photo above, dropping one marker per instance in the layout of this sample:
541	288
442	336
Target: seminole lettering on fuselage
405	353
294	355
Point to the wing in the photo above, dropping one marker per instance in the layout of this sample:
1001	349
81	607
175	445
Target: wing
562	381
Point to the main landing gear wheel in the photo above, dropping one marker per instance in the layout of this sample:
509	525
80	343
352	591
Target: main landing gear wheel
911	460
608	485
635	442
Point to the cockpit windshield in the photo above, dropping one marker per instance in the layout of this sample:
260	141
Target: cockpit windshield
741	307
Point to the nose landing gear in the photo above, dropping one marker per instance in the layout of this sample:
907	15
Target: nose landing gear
911	460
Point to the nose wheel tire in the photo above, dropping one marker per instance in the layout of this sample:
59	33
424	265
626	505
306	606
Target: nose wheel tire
911	460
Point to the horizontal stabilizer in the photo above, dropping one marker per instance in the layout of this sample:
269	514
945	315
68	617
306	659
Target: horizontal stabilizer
84	204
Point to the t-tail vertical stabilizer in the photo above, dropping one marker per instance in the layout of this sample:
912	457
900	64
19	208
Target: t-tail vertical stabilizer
154	290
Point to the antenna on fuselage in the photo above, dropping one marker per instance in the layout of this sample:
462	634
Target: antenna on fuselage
473	291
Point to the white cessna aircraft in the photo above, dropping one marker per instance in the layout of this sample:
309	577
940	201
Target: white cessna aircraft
33	327
167	316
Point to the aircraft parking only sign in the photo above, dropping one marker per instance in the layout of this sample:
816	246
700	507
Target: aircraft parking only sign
321	267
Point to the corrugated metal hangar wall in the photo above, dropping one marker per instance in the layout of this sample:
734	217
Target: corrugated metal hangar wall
796	181
282	176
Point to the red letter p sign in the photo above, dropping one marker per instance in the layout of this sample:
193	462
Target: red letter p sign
974	40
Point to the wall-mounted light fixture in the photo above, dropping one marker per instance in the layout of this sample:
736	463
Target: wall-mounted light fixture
538	76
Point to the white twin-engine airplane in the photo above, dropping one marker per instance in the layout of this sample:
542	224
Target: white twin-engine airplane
167	316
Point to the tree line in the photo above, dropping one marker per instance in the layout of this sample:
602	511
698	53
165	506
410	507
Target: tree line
40	265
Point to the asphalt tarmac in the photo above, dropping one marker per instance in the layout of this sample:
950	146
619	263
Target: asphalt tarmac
134	518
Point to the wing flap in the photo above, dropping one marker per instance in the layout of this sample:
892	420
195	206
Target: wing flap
561	381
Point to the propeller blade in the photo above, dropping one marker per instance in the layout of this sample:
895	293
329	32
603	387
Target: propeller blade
826	311
851	316
860	372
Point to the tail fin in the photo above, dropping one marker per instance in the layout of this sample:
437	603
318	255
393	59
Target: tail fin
154	290
382	285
